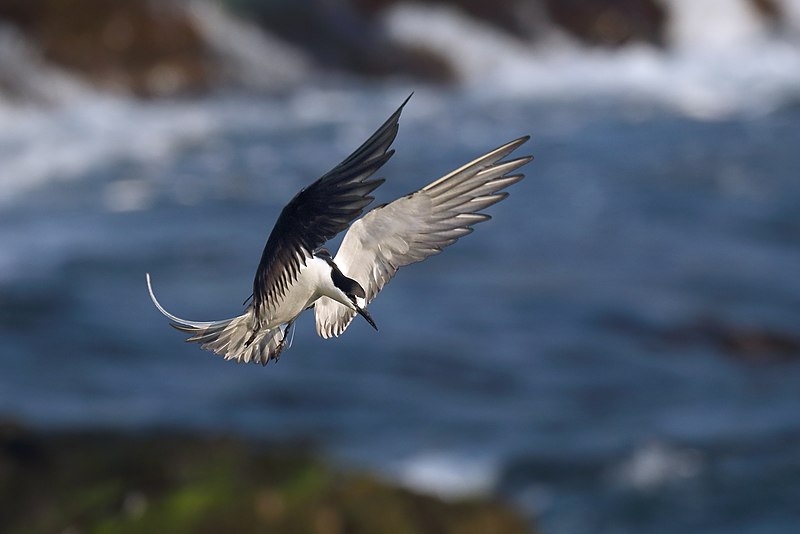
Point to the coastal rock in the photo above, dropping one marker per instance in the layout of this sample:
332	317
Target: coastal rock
341	37
748	344
26	77
155	49
769	9
148	48
610	22
521	18
602	22
96	481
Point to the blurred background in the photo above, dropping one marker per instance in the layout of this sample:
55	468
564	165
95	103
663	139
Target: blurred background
618	350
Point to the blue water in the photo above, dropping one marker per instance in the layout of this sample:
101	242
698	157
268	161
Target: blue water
556	357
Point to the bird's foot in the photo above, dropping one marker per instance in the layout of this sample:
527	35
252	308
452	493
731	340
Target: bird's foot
250	339
285	342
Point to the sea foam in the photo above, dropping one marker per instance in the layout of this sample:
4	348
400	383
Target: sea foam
722	58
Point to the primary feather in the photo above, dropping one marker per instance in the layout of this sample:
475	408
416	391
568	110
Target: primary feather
316	214
417	226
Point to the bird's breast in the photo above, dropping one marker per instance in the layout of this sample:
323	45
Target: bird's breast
307	288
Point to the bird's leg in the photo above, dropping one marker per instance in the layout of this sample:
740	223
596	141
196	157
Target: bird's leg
256	328
286	332
276	355
250	339
282	344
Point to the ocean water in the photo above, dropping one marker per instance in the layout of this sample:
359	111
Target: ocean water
617	350
560	356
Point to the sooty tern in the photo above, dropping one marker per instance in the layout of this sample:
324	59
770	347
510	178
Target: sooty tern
295	274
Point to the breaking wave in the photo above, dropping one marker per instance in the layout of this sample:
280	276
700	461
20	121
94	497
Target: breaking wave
721	58
447	476
250	57
40	145
54	126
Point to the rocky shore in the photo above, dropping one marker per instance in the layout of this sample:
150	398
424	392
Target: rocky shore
165	49
106	482
147	48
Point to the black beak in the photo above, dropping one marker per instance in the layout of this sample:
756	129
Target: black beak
365	314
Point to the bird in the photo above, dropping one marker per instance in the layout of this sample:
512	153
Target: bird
296	273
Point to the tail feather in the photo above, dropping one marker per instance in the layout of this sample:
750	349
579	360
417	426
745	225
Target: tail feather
230	338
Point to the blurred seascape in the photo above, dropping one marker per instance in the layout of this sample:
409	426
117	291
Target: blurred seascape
618	350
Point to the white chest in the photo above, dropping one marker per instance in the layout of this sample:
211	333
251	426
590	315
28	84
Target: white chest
313	281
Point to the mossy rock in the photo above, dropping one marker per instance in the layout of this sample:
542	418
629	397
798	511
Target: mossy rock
112	483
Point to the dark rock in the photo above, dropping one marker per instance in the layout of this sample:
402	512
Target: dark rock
595	22
423	63
521	18
339	37
149	48
17	446
97	481
157	49
774	13
610	22
751	344
769	9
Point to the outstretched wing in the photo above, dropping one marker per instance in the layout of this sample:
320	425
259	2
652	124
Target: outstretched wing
316	214
417	226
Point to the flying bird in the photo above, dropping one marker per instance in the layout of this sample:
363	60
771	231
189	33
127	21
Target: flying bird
295	273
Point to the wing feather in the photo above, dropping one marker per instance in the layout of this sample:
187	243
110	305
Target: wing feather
417	226
316	214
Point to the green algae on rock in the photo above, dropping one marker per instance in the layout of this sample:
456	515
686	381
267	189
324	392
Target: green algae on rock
118	483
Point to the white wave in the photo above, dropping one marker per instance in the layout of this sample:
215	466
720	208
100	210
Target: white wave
714	24
749	68
446	476
656	464
39	145
24	75
55	127
248	55
791	11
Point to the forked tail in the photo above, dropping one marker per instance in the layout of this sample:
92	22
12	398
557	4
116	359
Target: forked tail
229	338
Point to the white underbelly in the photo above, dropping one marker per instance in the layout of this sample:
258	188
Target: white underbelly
302	293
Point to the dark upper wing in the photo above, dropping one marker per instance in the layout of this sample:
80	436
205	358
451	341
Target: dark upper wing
316	214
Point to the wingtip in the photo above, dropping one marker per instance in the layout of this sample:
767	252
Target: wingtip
518	142
396	114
